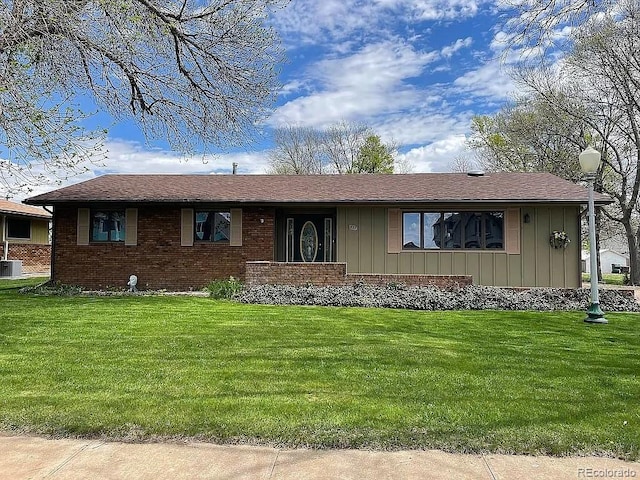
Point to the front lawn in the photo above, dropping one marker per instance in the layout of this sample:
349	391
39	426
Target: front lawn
608	278
166	367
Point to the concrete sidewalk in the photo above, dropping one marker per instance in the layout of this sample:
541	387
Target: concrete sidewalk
23	457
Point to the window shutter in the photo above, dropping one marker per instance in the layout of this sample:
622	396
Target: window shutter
394	231
236	227
131	226
512	231
83	226
187	229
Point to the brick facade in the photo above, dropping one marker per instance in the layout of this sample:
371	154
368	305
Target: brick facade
161	262
35	258
158	259
332	274
282	273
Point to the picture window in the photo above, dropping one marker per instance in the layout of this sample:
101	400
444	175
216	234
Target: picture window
452	230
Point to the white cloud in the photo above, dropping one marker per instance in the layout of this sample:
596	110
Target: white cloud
459	44
488	80
131	157
329	21
416	128
437	156
368	83
124	157
445	9
377	66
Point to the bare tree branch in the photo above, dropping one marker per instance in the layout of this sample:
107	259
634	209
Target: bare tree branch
198	74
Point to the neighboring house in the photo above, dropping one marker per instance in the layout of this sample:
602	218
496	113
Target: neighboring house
24	235
610	261
182	231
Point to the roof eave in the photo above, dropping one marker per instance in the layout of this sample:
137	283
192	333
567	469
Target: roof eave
25	214
45	202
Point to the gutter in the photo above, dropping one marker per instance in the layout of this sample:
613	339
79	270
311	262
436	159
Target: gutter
53	244
5	252
303	202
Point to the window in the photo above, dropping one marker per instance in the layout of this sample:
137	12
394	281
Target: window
18	228
107	226
213	226
452	230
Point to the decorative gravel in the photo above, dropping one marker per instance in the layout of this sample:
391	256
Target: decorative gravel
473	297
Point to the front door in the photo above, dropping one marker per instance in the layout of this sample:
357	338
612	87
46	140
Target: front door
309	238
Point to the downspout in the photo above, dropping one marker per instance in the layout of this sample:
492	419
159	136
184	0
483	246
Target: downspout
5	251
53	242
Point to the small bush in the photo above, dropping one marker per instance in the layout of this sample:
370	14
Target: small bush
224	289
52	289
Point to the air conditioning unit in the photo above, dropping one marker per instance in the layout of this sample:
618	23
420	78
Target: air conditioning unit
10	268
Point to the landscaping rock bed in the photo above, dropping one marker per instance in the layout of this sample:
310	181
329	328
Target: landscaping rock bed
473	297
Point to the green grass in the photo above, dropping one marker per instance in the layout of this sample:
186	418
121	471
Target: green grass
161	367
608	278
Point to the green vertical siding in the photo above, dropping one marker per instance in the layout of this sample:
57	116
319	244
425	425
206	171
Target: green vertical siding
364	248
501	271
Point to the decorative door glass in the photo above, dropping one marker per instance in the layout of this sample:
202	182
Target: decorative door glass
309	242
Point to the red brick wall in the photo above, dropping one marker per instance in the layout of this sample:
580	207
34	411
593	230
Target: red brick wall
281	273
35	258
158	259
327	274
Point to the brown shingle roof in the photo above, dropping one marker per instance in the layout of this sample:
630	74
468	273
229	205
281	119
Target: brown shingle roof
330	189
12	208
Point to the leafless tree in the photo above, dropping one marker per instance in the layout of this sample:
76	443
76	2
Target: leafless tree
402	164
342	143
194	73
599	84
463	164
537	25
298	151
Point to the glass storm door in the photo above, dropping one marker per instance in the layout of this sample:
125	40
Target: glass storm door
309	238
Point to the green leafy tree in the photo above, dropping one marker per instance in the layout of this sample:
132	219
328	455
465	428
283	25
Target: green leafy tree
374	157
194	73
528	136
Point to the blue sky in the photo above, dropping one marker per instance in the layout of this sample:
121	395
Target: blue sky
415	71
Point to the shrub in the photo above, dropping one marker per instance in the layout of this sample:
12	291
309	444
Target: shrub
52	289
224	289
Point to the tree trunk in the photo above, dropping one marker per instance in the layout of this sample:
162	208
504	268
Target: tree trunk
633	238
598	213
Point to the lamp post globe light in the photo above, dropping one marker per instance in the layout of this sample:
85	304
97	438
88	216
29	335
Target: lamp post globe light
589	163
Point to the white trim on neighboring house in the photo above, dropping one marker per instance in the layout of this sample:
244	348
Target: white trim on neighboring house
608	257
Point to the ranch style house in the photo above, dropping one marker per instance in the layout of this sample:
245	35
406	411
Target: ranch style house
180	232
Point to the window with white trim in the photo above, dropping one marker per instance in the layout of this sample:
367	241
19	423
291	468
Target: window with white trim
19	228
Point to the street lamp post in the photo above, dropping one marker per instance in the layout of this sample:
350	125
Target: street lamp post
589	162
